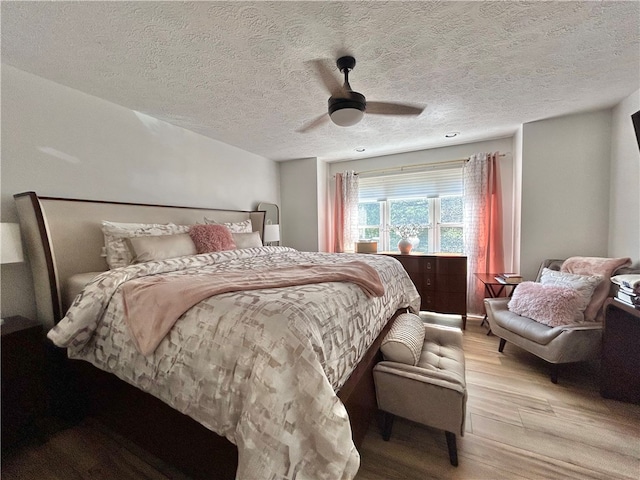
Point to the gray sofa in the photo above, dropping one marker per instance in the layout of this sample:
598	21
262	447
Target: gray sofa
556	345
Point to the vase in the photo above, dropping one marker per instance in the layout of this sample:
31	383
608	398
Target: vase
405	246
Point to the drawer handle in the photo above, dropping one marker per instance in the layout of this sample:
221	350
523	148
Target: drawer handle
429	281
428	265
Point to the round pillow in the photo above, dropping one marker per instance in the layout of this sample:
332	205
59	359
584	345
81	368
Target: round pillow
403	343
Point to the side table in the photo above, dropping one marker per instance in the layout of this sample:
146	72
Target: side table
23	392
493	288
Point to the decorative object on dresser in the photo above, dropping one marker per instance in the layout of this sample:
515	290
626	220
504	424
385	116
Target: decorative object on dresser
620	366
23	394
408	234
441	280
366	246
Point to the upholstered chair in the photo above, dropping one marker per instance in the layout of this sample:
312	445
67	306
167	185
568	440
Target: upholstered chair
422	378
556	344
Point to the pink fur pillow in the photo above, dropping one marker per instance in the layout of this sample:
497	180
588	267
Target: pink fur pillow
211	238
547	304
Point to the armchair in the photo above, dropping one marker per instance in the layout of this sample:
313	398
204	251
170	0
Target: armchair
556	345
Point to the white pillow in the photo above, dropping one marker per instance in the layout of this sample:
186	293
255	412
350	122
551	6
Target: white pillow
150	249
118	254
583	284
239	227
403	343
247	240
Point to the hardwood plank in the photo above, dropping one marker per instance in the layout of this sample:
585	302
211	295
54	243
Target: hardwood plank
518	426
613	463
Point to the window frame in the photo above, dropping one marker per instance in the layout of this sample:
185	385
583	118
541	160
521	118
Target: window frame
434	227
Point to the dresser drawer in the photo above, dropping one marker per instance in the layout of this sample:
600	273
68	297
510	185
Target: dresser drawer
452	283
451	265
450	303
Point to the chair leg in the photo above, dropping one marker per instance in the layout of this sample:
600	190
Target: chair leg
451	446
554	373
502	344
387	425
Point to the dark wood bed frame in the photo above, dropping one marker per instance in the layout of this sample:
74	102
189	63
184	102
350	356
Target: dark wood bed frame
81	389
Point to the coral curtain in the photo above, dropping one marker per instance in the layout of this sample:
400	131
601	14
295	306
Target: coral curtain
345	212
482	224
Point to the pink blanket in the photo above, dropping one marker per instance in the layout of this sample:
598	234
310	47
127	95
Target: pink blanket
152	305
595	266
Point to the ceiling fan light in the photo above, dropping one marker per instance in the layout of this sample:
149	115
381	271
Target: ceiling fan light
345	117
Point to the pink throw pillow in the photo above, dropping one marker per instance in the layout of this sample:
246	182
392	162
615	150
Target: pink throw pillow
547	304
211	238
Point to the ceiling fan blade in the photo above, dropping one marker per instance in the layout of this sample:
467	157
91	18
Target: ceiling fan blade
328	79
316	122
388	108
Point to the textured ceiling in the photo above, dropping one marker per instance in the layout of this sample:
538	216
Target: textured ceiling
240	72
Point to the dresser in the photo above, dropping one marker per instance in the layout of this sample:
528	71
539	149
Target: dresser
441	281
620	366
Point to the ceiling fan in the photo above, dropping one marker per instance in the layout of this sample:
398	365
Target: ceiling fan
347	107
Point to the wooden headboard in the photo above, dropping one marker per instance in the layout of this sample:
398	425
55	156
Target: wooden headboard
63	237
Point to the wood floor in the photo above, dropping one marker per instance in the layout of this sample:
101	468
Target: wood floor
519	426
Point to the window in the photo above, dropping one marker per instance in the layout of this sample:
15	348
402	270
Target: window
431	199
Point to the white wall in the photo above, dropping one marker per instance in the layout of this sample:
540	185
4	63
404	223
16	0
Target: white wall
58	141
624	199
516	208
503	145
565	188
300	204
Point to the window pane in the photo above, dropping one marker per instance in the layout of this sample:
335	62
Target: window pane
369	233
368	213
422	245
451	239
404	212
451	209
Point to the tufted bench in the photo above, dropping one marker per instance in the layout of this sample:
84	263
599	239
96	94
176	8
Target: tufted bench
423	378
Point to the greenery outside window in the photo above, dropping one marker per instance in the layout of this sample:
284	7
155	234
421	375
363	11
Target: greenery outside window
440	215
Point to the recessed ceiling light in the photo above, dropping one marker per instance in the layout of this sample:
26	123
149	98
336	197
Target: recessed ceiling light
360	149
451	134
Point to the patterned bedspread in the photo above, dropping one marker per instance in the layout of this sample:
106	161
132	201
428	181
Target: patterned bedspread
258	367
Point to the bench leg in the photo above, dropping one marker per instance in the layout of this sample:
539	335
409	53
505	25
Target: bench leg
387	425
502	344
554	373
451	446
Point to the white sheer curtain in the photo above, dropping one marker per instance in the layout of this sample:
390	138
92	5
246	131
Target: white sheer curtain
345	215
482	224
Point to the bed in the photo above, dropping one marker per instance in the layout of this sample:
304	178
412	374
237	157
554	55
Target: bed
284	374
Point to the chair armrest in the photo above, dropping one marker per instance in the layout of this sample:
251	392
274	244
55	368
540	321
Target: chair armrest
442	378
443	334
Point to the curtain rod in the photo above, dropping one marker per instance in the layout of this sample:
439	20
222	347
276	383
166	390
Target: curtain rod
420	165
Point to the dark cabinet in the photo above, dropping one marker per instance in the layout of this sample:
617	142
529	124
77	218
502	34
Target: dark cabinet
23	392
620	366
441	281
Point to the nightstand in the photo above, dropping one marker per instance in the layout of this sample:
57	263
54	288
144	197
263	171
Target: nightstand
23	392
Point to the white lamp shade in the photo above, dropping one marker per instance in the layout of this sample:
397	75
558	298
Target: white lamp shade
10	244
345	117
271	233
